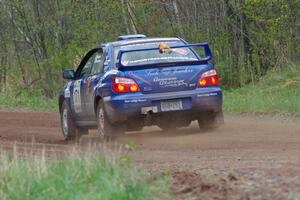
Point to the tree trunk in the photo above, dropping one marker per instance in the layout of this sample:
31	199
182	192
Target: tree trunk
132	18
176	14
3	74
125	17
169	16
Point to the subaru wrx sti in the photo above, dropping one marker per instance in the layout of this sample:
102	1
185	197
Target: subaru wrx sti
138	81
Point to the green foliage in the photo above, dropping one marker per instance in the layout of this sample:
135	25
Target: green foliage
33	103
78	177
130	146
277	92
40	39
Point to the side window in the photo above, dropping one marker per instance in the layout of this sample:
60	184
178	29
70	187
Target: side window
87	67
98	63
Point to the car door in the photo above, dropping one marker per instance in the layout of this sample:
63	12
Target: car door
78	98
94	78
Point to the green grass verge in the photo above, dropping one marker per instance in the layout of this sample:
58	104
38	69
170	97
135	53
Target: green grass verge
81	177
277	92
29	103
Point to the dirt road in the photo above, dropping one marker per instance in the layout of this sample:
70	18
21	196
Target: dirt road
250	157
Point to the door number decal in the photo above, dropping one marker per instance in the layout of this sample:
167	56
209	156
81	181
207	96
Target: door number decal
76	96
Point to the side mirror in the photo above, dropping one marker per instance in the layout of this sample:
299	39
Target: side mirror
69	74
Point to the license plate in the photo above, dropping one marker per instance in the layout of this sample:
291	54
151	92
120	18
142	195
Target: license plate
171	105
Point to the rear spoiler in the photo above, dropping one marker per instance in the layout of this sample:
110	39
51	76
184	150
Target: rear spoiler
205	46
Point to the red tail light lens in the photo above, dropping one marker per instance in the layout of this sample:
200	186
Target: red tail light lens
124	85
209	78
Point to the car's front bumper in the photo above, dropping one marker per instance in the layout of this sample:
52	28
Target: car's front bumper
123	107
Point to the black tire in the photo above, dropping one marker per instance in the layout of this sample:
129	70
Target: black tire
209	121
106	129
69	130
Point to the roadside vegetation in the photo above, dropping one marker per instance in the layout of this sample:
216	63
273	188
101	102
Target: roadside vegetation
81	177
30	103
40	39
277	92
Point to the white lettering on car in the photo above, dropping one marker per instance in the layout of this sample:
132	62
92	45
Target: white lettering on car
135	100
170	72
170	82
145	60
207	95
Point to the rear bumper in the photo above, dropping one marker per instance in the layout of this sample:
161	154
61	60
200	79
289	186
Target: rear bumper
124	107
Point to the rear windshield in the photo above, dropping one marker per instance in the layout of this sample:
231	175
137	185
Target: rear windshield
154	56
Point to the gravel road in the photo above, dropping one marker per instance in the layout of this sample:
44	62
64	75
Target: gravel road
250	157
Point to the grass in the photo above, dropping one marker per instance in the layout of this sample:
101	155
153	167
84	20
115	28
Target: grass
77	177
29	103
277	92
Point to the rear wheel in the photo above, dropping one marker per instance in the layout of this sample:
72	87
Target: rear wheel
105	128
68	127
210	120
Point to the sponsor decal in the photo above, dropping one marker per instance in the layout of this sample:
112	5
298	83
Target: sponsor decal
152	73
169	58
67	93
208	94
76	96
87	85
135	100
170	72
105	64
170	82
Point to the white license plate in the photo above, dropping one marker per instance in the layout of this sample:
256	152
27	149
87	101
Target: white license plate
171	105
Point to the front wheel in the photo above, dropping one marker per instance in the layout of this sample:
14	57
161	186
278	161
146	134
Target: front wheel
105	128
68	127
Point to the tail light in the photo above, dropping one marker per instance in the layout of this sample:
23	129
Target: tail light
124	85
209	78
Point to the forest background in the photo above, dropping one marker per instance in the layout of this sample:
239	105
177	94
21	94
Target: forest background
40	39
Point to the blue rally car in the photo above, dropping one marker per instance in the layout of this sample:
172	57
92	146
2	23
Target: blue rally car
139	81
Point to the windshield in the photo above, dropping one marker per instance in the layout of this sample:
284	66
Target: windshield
155	56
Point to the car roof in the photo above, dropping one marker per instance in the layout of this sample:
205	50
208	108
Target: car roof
142	40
